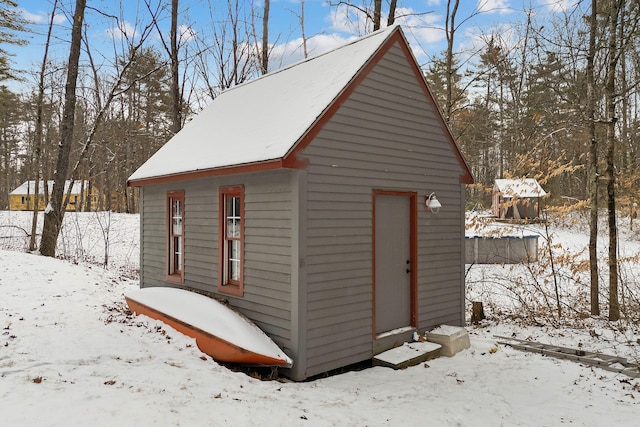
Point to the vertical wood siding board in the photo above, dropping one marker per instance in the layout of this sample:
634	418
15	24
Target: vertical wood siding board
262	272
298	282
378	144
353	258
348	351
445	316
328	248
461	272
412	135
275	253
325	339
341	214
323	274
347	340
340	331
358	310
320	196
266	308
361	317
270	289
320	290
321	367
259	234
342	153
321	300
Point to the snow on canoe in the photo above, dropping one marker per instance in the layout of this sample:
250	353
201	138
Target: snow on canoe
219	331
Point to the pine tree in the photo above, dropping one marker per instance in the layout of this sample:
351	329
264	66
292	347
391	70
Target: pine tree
10	23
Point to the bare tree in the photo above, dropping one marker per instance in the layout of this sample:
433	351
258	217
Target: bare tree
614	11
593	162
371	13
175	84
265	38
450	30
37	143
55	213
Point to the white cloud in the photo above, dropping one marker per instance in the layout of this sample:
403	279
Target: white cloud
123	30
425	29
494	6
41	18
560	5
187	33
344	19
293	51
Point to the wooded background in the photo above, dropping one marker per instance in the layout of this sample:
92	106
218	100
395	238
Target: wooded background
518	106
554	97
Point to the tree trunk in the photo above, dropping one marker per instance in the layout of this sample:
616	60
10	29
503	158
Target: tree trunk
176	109
593	165
614	304
265	38
377	13
302	31
450	30
38	135
477	312
54	215
391	19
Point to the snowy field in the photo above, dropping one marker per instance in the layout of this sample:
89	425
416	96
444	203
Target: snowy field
70	355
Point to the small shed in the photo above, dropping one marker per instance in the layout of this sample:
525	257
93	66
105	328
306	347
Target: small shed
300	198
517	198
23	197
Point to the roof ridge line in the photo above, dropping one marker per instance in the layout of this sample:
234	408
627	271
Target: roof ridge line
349	43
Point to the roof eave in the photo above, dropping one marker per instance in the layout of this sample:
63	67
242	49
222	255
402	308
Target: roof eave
206	173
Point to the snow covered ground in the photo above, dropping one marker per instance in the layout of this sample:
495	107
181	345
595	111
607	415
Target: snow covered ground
71	355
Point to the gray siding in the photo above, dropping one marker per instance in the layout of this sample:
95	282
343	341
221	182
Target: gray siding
267	250
385	136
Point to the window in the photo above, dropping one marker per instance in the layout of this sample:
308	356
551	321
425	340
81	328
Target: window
175	256
231	240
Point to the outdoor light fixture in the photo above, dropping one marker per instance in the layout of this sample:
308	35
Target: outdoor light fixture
431	203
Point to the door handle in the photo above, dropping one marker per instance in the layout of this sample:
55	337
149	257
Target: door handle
408	264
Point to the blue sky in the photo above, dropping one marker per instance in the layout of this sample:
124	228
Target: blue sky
326	27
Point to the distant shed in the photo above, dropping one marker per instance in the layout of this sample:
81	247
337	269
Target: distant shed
299	197
517	198
23	197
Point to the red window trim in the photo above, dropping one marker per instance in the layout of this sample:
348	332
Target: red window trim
176	276
225	285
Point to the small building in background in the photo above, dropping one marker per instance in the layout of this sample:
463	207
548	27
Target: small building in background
23	197
517	198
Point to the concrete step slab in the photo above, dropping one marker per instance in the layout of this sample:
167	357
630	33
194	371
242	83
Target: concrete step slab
408	354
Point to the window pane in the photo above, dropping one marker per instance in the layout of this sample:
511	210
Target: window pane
177	216
177	253
234	249
233	228
234	270
233	207
231	211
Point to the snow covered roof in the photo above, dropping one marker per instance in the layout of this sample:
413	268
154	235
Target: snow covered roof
263	120
29	187
521	187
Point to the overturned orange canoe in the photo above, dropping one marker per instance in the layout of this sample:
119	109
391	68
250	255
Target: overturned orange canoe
219	331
